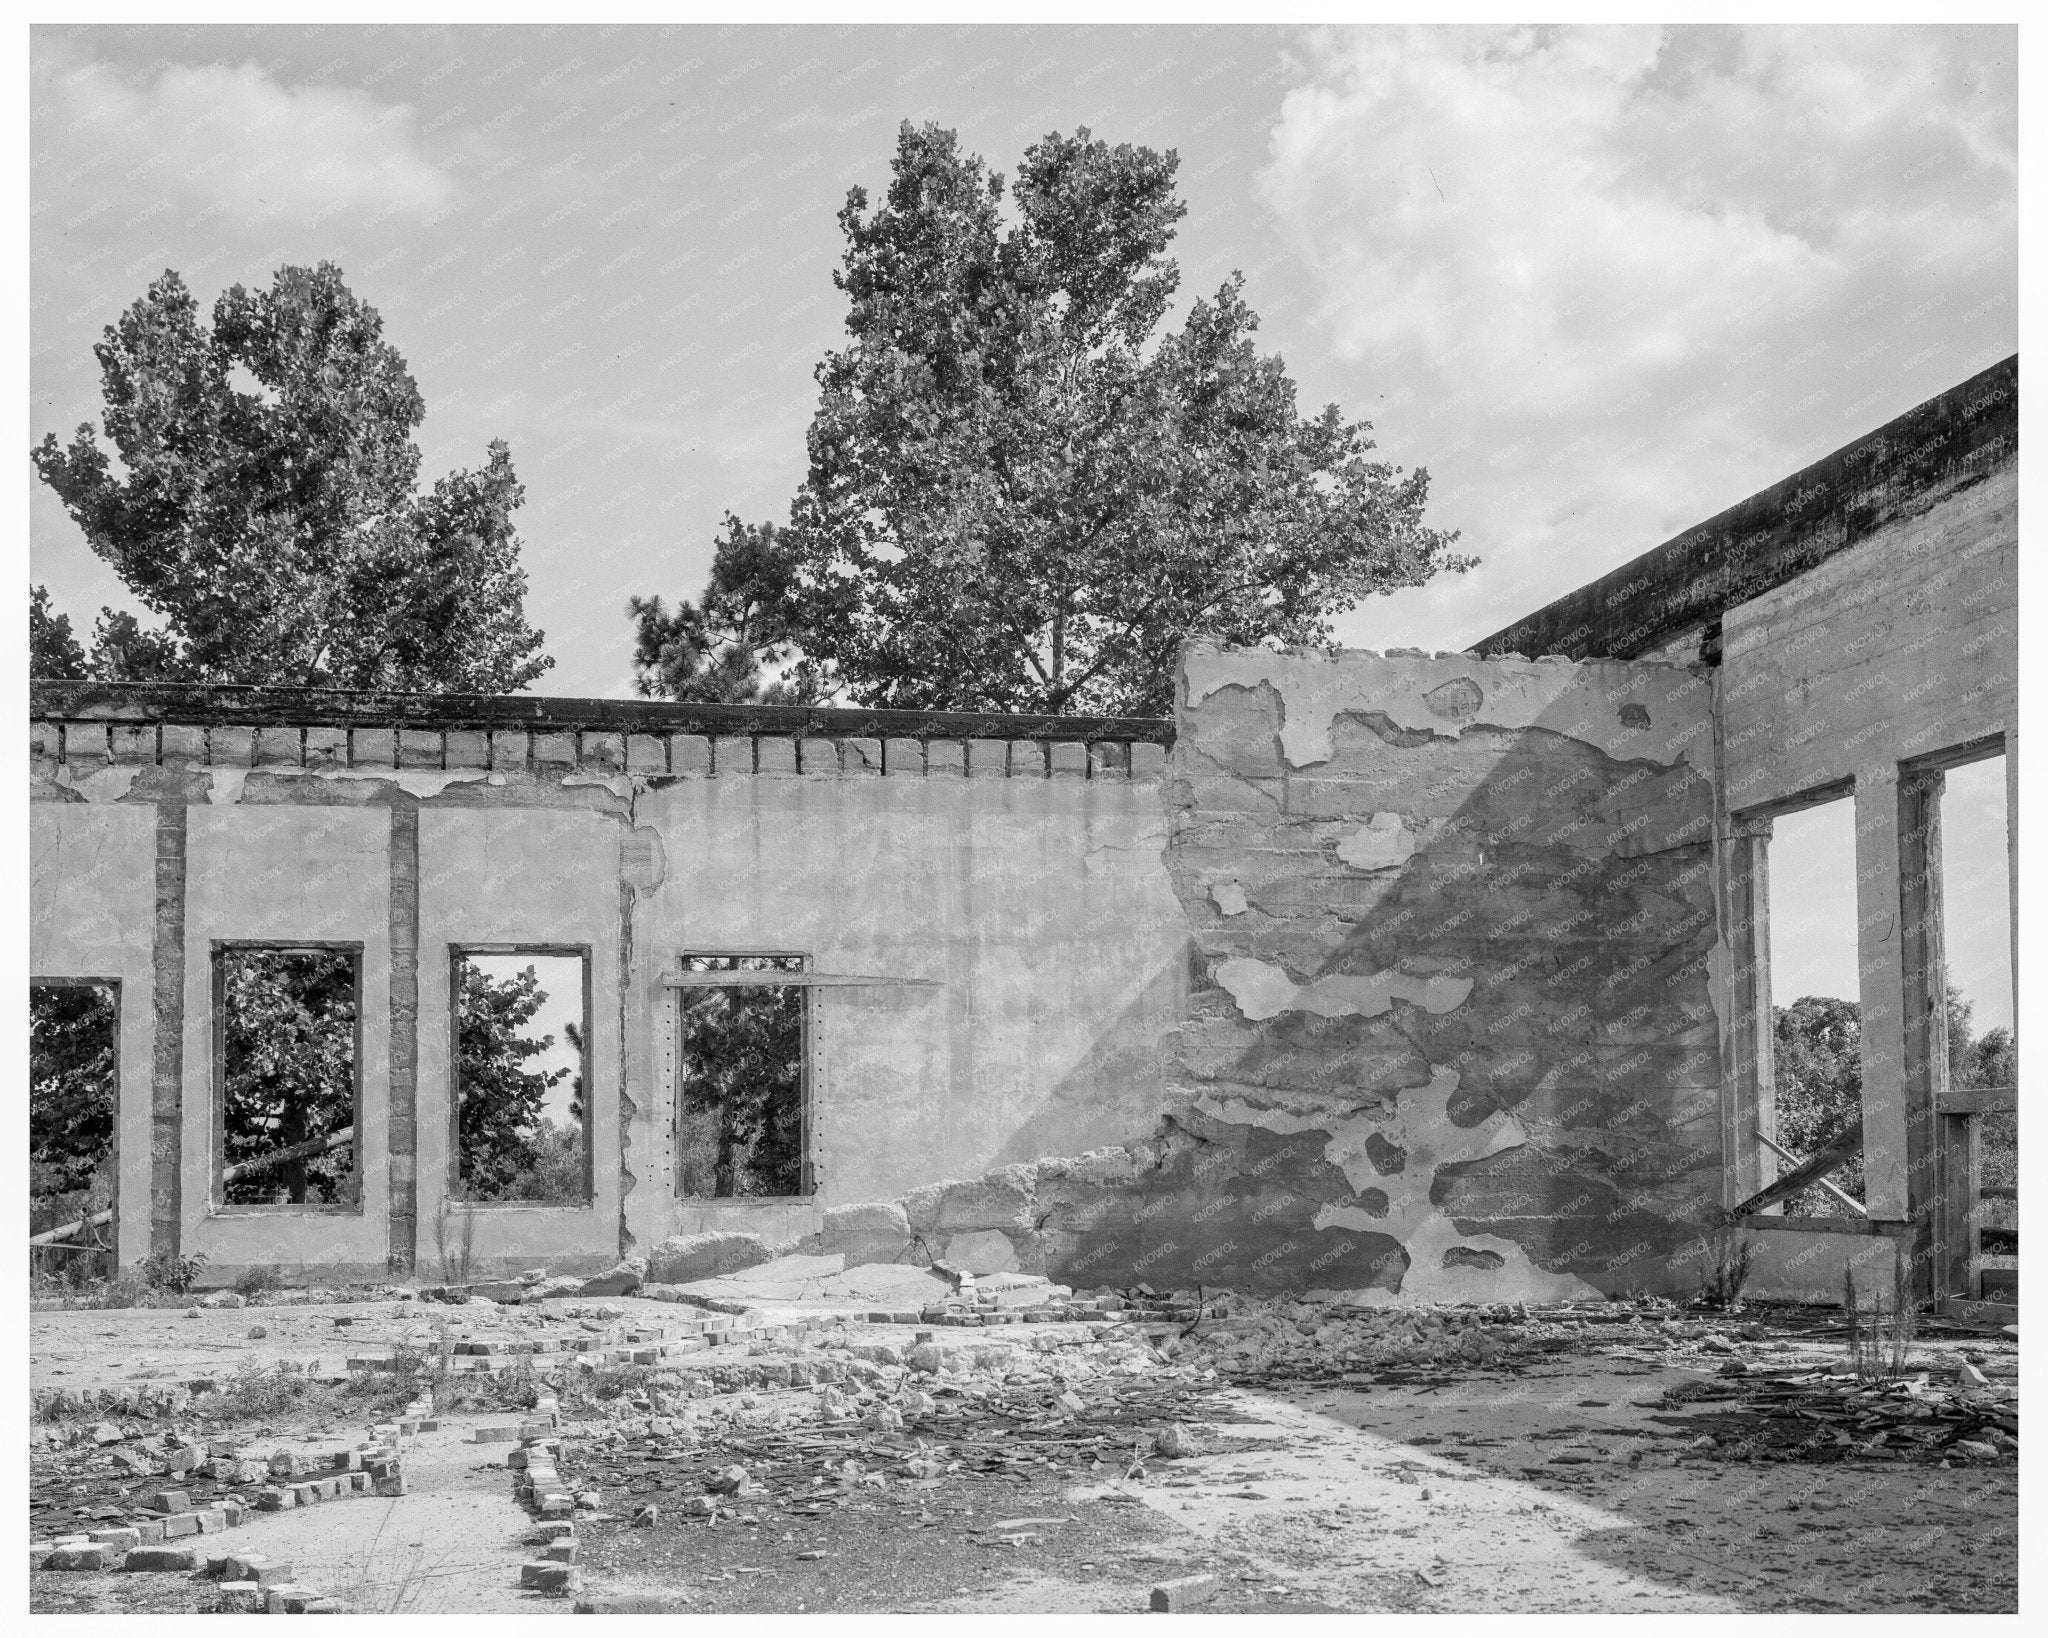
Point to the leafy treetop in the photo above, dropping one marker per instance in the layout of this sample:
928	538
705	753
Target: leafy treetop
264	505
1024	491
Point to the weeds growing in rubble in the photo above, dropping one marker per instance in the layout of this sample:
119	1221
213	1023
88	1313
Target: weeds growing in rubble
1879	1339
256	1393
455	1267
386	1582
1729	1256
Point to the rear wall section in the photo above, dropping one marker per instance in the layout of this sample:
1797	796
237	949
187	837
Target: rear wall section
1457	1037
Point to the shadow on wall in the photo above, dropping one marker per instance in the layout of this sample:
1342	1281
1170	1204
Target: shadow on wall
1451	1036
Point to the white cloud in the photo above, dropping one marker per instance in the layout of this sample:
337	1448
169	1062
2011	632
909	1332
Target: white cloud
235	140
1611	280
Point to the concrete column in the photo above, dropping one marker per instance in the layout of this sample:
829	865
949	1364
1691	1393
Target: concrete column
1749	1099
1880	992
402	1121
167	1080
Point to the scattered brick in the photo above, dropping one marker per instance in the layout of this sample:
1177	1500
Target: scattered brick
160	1558
1185	1592
543	1575
91	1556
240	1598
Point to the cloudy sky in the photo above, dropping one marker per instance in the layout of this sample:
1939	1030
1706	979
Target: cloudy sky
1601	283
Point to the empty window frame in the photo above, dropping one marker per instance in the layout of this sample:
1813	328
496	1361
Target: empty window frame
288	1083
1983	1057
1816	1013
74	1039
519	1114
742	1092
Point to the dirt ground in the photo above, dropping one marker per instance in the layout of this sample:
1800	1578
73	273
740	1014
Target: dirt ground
1560	1477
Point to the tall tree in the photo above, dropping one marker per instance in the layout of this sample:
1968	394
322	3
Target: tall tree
1024	490
265	506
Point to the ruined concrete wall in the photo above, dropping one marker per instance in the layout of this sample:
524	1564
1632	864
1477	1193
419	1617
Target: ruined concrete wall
1037	908
1025	881
1878	660
1457	1038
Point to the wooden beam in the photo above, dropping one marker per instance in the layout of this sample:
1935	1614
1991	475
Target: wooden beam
1842	1195
298	1151
1981	1313
1832	1225
64	1231
1831	1156
1979	1100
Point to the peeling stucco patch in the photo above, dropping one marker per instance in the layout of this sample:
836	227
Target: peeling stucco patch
1399	1203
1418	692
424	783
107	784
620	785
1383	842
1262	990
1455	701
1229	897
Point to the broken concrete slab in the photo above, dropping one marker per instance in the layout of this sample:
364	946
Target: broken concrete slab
685	1258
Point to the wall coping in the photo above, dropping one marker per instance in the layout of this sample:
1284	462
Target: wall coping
251	705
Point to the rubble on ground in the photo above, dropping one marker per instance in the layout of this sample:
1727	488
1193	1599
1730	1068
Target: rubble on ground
1820	1416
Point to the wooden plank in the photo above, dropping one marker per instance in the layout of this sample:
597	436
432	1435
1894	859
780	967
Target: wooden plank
1829	1157
1832	1225
1998	1191
1981	1313
1959	1210
1998	1242
1980	1100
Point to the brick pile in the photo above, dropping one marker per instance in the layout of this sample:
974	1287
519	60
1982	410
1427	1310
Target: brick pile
144	1540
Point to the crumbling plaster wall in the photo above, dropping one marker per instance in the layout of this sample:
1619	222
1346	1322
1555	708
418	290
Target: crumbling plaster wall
1036	909
1453	1032
1459	1035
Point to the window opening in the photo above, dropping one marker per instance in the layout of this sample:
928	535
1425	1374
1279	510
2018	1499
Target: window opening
1816	1012
288	1045
1983	1055
521	1114
73	1081
740	1106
